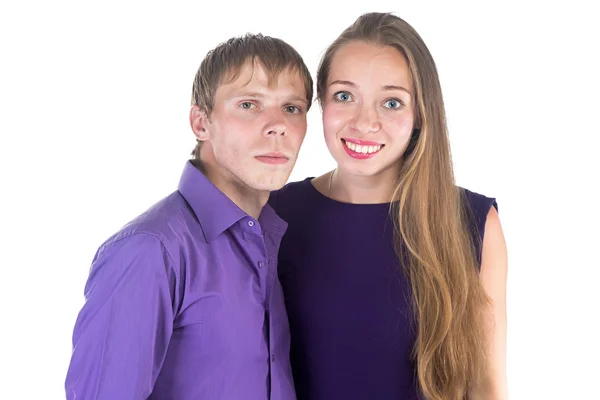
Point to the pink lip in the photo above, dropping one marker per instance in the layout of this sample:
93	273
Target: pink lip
273	158
361	142
361	156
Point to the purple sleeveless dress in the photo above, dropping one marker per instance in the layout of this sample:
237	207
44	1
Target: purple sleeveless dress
348	299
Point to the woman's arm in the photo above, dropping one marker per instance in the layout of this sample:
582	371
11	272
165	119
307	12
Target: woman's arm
493	277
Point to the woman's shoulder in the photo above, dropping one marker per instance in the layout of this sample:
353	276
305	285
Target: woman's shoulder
290	195
477	207
480	204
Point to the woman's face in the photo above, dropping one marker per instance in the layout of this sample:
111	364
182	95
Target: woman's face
368	108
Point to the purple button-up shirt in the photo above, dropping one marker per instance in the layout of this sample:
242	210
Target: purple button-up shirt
184	303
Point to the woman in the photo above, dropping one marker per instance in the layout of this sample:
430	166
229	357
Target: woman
392	289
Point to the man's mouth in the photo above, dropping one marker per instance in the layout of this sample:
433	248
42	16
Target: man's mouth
275	158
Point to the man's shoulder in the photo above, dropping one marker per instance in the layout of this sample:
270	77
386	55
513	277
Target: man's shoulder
159	223
158	218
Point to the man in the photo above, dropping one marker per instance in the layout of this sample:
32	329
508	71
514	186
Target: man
184	302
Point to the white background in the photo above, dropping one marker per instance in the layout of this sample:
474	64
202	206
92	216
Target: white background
94	101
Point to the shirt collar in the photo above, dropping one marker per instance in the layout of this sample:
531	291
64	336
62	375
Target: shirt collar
215	211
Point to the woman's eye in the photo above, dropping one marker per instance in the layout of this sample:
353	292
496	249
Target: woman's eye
393	104
342	96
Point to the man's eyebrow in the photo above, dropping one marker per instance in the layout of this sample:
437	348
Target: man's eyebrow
263	95
249	94
298	98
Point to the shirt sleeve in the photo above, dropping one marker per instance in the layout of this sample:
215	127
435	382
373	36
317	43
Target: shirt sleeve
122	332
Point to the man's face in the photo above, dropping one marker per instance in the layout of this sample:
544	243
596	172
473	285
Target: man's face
255	131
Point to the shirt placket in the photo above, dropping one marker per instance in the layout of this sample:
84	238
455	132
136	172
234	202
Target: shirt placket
258	254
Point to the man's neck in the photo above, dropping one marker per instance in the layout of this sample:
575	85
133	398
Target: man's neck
251	201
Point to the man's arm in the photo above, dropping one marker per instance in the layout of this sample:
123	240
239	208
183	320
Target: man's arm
123	330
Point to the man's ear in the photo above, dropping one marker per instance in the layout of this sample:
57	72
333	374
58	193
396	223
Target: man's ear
199	123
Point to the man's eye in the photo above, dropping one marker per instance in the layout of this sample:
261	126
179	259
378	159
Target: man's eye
247	105
293	109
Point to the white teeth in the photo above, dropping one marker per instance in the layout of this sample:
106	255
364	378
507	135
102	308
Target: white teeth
362	149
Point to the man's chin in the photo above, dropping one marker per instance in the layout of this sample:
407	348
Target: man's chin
269	185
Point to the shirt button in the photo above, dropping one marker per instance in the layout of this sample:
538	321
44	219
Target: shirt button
261	264
272	358
250	223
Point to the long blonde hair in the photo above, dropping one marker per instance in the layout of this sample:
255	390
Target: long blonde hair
432	230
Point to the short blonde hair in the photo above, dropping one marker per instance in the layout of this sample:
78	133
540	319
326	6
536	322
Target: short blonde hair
225	62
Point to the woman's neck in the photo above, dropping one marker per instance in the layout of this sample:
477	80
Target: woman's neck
358	189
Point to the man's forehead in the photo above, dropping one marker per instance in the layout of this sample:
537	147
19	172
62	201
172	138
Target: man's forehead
256	74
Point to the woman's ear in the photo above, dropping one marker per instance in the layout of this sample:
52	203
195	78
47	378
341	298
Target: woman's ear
412	143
